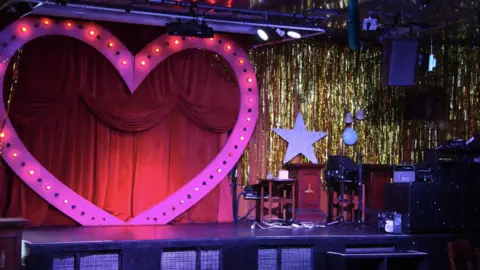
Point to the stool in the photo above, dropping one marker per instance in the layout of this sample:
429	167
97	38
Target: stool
284	185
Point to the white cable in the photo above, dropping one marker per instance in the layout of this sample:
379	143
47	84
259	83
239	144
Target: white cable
257	224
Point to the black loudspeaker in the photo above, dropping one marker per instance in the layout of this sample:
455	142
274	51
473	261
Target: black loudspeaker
399	60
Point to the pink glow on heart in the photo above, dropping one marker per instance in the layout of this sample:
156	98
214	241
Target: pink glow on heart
133	70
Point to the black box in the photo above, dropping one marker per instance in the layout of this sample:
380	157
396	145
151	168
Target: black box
434	207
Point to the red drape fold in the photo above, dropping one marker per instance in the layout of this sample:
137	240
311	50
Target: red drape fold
122	152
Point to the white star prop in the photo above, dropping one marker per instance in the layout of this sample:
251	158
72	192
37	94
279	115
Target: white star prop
300	140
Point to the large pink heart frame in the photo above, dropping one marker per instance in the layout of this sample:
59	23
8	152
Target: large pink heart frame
133	70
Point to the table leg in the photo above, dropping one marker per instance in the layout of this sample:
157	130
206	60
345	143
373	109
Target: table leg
293	201
270	188
262	201
363	204
283	208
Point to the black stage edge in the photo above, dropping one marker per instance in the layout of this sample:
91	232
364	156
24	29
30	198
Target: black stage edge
232	246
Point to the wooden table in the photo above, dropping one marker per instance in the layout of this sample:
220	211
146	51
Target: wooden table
11	230
283	184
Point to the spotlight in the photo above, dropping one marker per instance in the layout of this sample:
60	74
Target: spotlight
280	32
189	29
294	34
262	34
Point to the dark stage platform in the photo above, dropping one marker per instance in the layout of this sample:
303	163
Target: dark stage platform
231	246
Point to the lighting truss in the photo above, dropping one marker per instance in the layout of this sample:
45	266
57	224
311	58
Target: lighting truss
221	19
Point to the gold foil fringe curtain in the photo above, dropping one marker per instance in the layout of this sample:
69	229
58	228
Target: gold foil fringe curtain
324	81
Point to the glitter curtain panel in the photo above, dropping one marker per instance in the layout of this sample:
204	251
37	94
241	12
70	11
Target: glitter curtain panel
324	81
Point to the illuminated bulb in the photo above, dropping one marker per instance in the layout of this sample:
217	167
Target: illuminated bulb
142	63
46	22
2	135
110	44
211	38
176	41
124	62
48	187
241	138
249	80
24	29
293	34
219	170
92	33
249	100
229	47
65	201
248	119
31	172
157	50
69	24
15	155
241	61
262	34
181	201
196	189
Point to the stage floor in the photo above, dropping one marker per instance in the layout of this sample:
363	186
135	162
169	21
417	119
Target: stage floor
237	245
191	232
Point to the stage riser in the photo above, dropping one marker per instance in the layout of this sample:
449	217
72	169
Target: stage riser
276	253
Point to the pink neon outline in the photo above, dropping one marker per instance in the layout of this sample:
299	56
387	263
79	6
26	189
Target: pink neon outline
133	74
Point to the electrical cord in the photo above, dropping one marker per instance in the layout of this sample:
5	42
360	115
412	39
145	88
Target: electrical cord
282	224
256	224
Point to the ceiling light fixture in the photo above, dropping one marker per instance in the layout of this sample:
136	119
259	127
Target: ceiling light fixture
262	34
294	34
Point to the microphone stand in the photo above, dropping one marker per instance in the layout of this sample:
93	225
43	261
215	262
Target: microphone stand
233	185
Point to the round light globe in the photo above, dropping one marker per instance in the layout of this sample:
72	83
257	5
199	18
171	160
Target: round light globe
349	136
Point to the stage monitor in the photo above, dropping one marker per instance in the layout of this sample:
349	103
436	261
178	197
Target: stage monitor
399	61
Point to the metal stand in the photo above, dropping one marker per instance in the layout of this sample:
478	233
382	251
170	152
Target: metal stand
233	178
361	195
340	220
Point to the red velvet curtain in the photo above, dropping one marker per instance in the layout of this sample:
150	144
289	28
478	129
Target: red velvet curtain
122	152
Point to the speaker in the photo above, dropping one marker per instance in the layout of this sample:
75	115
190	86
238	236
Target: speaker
399	60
